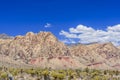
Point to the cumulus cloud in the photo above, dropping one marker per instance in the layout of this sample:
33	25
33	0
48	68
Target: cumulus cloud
81	29
67	34
88	35
47	25
68	41
115	28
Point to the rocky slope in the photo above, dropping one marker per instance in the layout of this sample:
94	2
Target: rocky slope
103	56
45	50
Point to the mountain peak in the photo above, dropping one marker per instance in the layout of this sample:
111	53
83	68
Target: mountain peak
5	36
44	48
30	34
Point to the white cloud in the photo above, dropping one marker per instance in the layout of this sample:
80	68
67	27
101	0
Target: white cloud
47	25
115	28
90	35
81	29
67	34
68	41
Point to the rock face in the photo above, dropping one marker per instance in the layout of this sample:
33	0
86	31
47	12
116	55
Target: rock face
103	56
32	46
45	50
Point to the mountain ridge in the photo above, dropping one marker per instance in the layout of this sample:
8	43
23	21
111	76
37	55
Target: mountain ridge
43	49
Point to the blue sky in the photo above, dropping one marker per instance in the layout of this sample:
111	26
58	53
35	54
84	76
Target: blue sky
20	16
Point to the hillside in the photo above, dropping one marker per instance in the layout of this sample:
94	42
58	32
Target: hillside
43	49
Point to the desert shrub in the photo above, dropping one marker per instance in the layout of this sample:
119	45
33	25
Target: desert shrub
3	75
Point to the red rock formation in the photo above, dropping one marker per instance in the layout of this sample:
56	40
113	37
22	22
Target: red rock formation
44	49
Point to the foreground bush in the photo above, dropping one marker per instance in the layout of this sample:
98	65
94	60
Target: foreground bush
70	74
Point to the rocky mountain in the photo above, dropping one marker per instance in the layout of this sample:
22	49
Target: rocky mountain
43	49
103	56
5	36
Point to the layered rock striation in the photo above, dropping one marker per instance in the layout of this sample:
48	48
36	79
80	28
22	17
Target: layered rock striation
43	49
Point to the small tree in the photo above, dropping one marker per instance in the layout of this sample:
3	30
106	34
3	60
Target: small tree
46	75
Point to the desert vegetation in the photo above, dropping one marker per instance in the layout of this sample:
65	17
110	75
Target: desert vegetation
50	74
